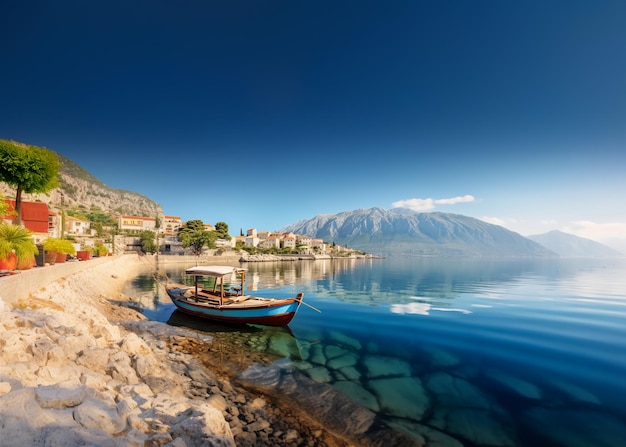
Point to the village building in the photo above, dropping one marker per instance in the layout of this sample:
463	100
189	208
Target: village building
171	225
77	227
289	241
137	223
35	217
319	245
272	241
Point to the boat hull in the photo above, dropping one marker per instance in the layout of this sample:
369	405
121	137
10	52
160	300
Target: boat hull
278	313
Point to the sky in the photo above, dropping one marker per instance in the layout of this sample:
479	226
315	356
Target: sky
263	113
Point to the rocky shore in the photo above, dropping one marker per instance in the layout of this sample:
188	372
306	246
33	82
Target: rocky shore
79	367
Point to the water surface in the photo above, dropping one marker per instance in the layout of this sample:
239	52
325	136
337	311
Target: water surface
471	352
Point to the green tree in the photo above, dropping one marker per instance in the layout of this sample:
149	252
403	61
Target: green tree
29	169
147	242
221	229
193	234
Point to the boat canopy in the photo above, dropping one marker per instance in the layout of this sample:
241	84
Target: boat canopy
218	271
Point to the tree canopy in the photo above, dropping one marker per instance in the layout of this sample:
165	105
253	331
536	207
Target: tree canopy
148	244
221	230
29	169
193	234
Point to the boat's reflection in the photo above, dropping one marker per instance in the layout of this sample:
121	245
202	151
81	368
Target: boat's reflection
178	318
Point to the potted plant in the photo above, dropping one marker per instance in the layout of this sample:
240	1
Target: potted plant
62	247
17	247
99	249
83	254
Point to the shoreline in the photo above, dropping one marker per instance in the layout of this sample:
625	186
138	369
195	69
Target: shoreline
77	358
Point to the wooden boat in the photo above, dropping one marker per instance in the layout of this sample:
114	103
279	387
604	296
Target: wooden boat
227	302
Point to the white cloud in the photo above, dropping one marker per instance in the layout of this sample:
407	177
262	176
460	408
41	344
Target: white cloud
454	200
429	204
495	221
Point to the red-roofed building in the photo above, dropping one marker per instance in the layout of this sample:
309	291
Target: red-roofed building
35	217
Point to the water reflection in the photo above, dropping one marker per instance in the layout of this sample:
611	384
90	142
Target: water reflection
465	352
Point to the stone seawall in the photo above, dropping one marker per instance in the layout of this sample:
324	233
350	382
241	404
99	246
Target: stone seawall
21	284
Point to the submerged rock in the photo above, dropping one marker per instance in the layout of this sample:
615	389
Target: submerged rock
332	409
425	434
345	340
358	394
576	393
346	360
401	396
454	391
382	366
478	426
517	385
440	358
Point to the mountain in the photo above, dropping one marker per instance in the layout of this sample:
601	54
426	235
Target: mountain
79	189
570	246
402	231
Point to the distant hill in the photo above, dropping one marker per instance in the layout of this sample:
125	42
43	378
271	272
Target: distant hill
402	231
570	246
80	190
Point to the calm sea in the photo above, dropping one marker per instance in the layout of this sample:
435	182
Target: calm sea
462	353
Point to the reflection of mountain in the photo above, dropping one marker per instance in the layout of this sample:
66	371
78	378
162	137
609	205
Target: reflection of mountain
400	280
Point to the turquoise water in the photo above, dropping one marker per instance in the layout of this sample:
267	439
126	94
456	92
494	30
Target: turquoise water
472	352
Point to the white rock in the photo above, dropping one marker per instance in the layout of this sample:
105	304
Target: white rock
69	377
61	395
132	344
5	387
94	414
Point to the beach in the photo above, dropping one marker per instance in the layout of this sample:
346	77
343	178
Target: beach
80	366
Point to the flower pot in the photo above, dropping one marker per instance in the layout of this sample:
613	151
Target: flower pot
61	257
50	257
9	263
83	255
26	264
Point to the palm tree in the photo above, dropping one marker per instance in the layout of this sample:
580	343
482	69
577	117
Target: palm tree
17	243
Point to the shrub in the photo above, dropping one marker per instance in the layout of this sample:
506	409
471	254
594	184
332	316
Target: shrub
59	245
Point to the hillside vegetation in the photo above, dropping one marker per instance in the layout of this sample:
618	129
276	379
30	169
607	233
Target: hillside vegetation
80	190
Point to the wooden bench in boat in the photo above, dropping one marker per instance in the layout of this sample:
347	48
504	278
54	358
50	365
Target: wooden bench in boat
207	296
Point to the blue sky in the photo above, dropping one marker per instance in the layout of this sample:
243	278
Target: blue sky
262	113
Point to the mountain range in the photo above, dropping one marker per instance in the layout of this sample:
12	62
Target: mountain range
405	232
568	245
